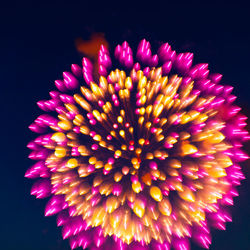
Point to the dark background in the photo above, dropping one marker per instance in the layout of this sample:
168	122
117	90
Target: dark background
37	45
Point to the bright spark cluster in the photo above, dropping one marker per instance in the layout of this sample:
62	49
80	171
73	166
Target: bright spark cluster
143	156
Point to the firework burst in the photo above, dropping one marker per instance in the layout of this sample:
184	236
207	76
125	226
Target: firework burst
144	156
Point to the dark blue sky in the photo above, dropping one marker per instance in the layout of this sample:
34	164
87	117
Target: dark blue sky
37	45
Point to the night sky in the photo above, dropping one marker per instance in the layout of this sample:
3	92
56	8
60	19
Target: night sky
37	45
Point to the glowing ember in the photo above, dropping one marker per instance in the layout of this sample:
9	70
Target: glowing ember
146	156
